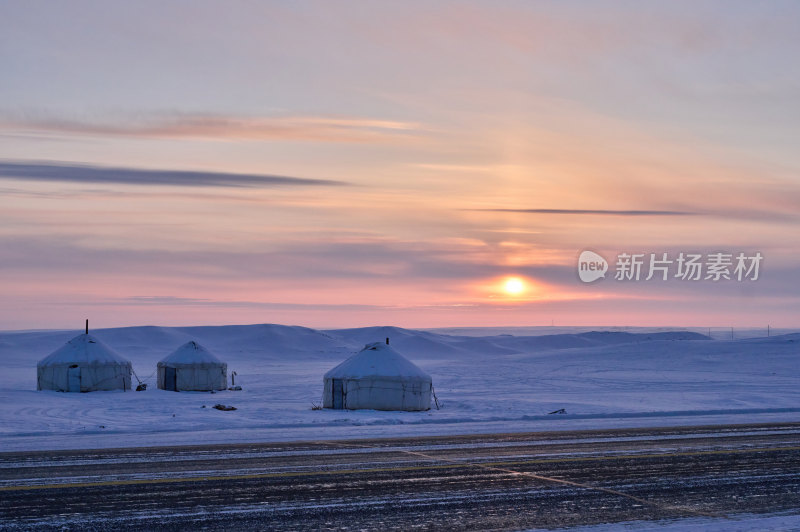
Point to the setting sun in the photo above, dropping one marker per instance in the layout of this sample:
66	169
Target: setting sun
514	286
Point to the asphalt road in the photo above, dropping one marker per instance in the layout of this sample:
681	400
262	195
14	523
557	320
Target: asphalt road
499	481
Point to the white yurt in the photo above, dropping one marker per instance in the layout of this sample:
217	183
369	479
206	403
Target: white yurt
192	368
378	378
84	364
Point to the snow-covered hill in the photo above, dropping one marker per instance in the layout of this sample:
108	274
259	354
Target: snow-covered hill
485	381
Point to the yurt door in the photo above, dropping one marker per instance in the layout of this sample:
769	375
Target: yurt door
171	379
338	394
74	379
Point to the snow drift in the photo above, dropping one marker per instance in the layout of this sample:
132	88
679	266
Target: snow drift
487	380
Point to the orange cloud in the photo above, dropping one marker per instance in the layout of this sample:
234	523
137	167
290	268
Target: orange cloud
210	126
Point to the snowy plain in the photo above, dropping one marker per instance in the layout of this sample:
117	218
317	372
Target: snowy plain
739	523
486	380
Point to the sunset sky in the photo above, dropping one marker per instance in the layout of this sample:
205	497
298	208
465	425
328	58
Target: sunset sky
335	164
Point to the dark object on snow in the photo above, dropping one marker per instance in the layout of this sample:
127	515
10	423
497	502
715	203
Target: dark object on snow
224	408
559	411
235	388
142	387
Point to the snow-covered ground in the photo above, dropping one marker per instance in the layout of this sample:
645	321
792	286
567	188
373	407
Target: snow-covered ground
737	523
486	380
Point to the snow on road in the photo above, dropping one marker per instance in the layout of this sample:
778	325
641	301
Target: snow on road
485	382
737	523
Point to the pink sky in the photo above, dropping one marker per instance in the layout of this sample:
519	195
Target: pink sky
394	163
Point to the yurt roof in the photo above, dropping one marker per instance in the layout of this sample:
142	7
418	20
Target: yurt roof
377	360
191	353
84	349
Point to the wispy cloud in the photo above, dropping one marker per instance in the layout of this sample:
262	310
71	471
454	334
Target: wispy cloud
209	126
83	173
190	301
351	260
600	212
